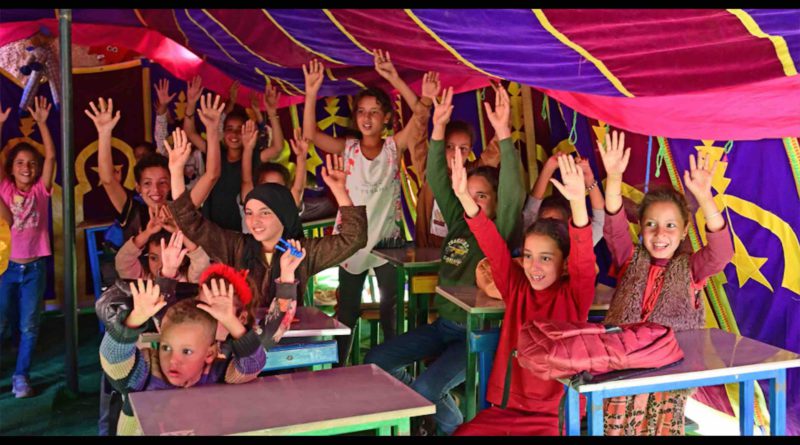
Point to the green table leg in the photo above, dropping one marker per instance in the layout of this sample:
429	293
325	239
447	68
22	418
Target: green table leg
412	316
384	430
471	381
403	427
400	300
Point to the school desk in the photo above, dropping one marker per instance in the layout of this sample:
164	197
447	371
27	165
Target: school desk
419	265
711	357
333	401
479	307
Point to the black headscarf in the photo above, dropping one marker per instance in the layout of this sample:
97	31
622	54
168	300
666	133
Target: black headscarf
280	200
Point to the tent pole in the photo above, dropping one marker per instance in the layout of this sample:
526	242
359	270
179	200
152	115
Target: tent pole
67	181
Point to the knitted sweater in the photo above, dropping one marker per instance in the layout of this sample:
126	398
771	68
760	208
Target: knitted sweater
130	369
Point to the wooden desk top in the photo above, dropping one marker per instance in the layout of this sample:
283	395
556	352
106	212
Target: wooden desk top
472	299
709	353
280	404
411	256
93	224
312	322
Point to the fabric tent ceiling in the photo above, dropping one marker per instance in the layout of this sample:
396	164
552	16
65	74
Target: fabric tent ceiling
682	73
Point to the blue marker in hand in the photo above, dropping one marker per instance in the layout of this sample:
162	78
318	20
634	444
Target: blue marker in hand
283	245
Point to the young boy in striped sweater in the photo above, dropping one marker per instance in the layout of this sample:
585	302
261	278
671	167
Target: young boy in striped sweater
187	351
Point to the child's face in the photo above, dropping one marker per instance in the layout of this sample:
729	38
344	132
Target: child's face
484	195
370	118
261	221
25	168
154	258
457	140
154	186
271	178
232	133
184	351
663	229
542	261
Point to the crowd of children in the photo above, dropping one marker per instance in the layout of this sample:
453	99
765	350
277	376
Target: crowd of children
214	259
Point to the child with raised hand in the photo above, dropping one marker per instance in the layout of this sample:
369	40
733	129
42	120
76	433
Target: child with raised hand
271	215
210	114
186	354
25	186
220	205
151	174
537	289
195	166
501	200
373	179
534	205
271	171
132	263
657	281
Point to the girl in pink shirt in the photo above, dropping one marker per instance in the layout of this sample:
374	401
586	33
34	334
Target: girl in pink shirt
25	186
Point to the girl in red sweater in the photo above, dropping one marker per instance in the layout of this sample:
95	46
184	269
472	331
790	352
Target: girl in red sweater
536	290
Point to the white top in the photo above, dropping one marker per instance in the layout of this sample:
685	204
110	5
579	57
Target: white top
438	225
376	184
194	167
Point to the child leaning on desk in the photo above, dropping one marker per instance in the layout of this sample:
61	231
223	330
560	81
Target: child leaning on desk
187	352
538	289
658	282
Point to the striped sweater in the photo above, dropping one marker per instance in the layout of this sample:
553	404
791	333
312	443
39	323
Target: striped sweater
130	369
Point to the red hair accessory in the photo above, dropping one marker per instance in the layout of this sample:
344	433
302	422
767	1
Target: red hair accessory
238	278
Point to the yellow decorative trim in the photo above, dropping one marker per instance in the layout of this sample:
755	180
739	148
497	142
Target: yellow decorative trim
364	87
781	49
345	32
104	68
178	25
580	50
268	79
247	48
12	78
186	11
297	42
445	45
141	19
330	74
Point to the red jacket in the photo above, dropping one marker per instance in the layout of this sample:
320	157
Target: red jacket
566	300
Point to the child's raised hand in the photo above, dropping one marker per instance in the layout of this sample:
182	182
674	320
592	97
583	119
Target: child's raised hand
172	255
211	111
218	302
444	108
573	187
700	175
162	92
384	66
41	109
459	175
249	135
501	115
615	156
147	301
103	115
180	154
290	262
313	75
299	144
233	91
168	221
194	89
431	85
155	224
271	98
552	162
588	174
333	173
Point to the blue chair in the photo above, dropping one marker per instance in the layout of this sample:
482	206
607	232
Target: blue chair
484	343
